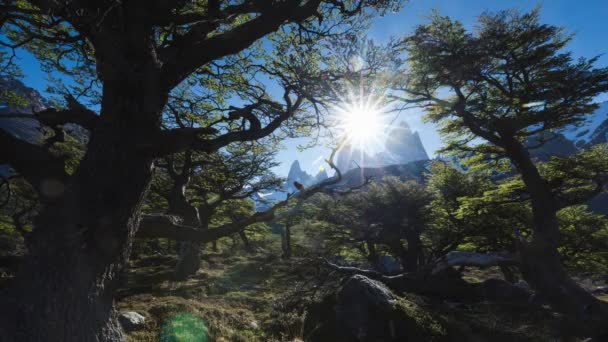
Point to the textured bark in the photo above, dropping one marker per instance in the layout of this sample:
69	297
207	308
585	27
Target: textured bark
189	258
540	261
82	239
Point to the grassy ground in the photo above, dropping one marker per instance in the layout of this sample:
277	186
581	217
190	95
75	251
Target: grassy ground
235	296
246	297
239	296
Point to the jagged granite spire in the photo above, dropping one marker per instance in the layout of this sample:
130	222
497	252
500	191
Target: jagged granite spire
404	146
296	174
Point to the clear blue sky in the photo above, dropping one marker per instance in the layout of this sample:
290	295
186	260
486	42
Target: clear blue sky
588	19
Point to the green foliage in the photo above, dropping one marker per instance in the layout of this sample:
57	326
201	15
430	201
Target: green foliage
583	240
12	99
510	78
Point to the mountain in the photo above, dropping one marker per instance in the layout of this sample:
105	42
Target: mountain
296	174
31	101
27	101
321	176
17	98
402	146
409	171
593	131
546	145
349	157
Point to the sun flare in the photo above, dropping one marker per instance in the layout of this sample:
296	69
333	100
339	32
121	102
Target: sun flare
361	122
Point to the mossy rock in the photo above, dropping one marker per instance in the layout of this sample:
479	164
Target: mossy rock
365	310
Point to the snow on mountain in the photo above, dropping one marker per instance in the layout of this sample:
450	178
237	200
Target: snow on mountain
593	130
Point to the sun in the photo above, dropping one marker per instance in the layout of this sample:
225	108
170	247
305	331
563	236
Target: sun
362	122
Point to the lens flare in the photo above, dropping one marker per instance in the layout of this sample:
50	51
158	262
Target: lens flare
362	122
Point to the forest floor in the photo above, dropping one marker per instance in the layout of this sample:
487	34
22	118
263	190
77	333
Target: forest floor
250	297
235	296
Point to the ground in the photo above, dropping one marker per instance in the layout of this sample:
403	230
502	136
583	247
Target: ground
260	297
236	296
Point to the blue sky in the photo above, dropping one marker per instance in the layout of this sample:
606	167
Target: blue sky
588	19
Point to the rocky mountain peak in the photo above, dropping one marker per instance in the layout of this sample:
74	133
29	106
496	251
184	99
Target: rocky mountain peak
28	100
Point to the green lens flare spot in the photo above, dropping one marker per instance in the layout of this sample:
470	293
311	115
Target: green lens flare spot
184	328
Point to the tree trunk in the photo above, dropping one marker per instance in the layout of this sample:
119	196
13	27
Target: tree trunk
372	255
80	245
540	260
413	252
287	241
246	242
400	253
82	239
189	257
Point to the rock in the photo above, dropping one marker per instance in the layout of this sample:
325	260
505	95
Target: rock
403	145
366	310
522	284
131	320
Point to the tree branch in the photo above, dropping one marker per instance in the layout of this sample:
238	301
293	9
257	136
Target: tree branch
35	163
185	56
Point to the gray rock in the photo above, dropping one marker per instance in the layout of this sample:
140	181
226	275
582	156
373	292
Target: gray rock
522	284
131	320
366	310
362	306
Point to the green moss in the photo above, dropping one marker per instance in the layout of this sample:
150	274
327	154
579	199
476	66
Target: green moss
427	322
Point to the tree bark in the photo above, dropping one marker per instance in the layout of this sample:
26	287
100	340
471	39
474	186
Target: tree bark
189	257
540	260
82	239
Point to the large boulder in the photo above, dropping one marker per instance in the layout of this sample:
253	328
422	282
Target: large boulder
366	310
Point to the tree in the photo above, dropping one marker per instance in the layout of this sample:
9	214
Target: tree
492	89
195	186
388	213
129	56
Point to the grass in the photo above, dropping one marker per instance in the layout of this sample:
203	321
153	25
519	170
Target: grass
232	297
249	297
184	328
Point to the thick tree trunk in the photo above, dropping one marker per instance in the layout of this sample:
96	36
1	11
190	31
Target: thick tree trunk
540	261
189	257
82	239
64	291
